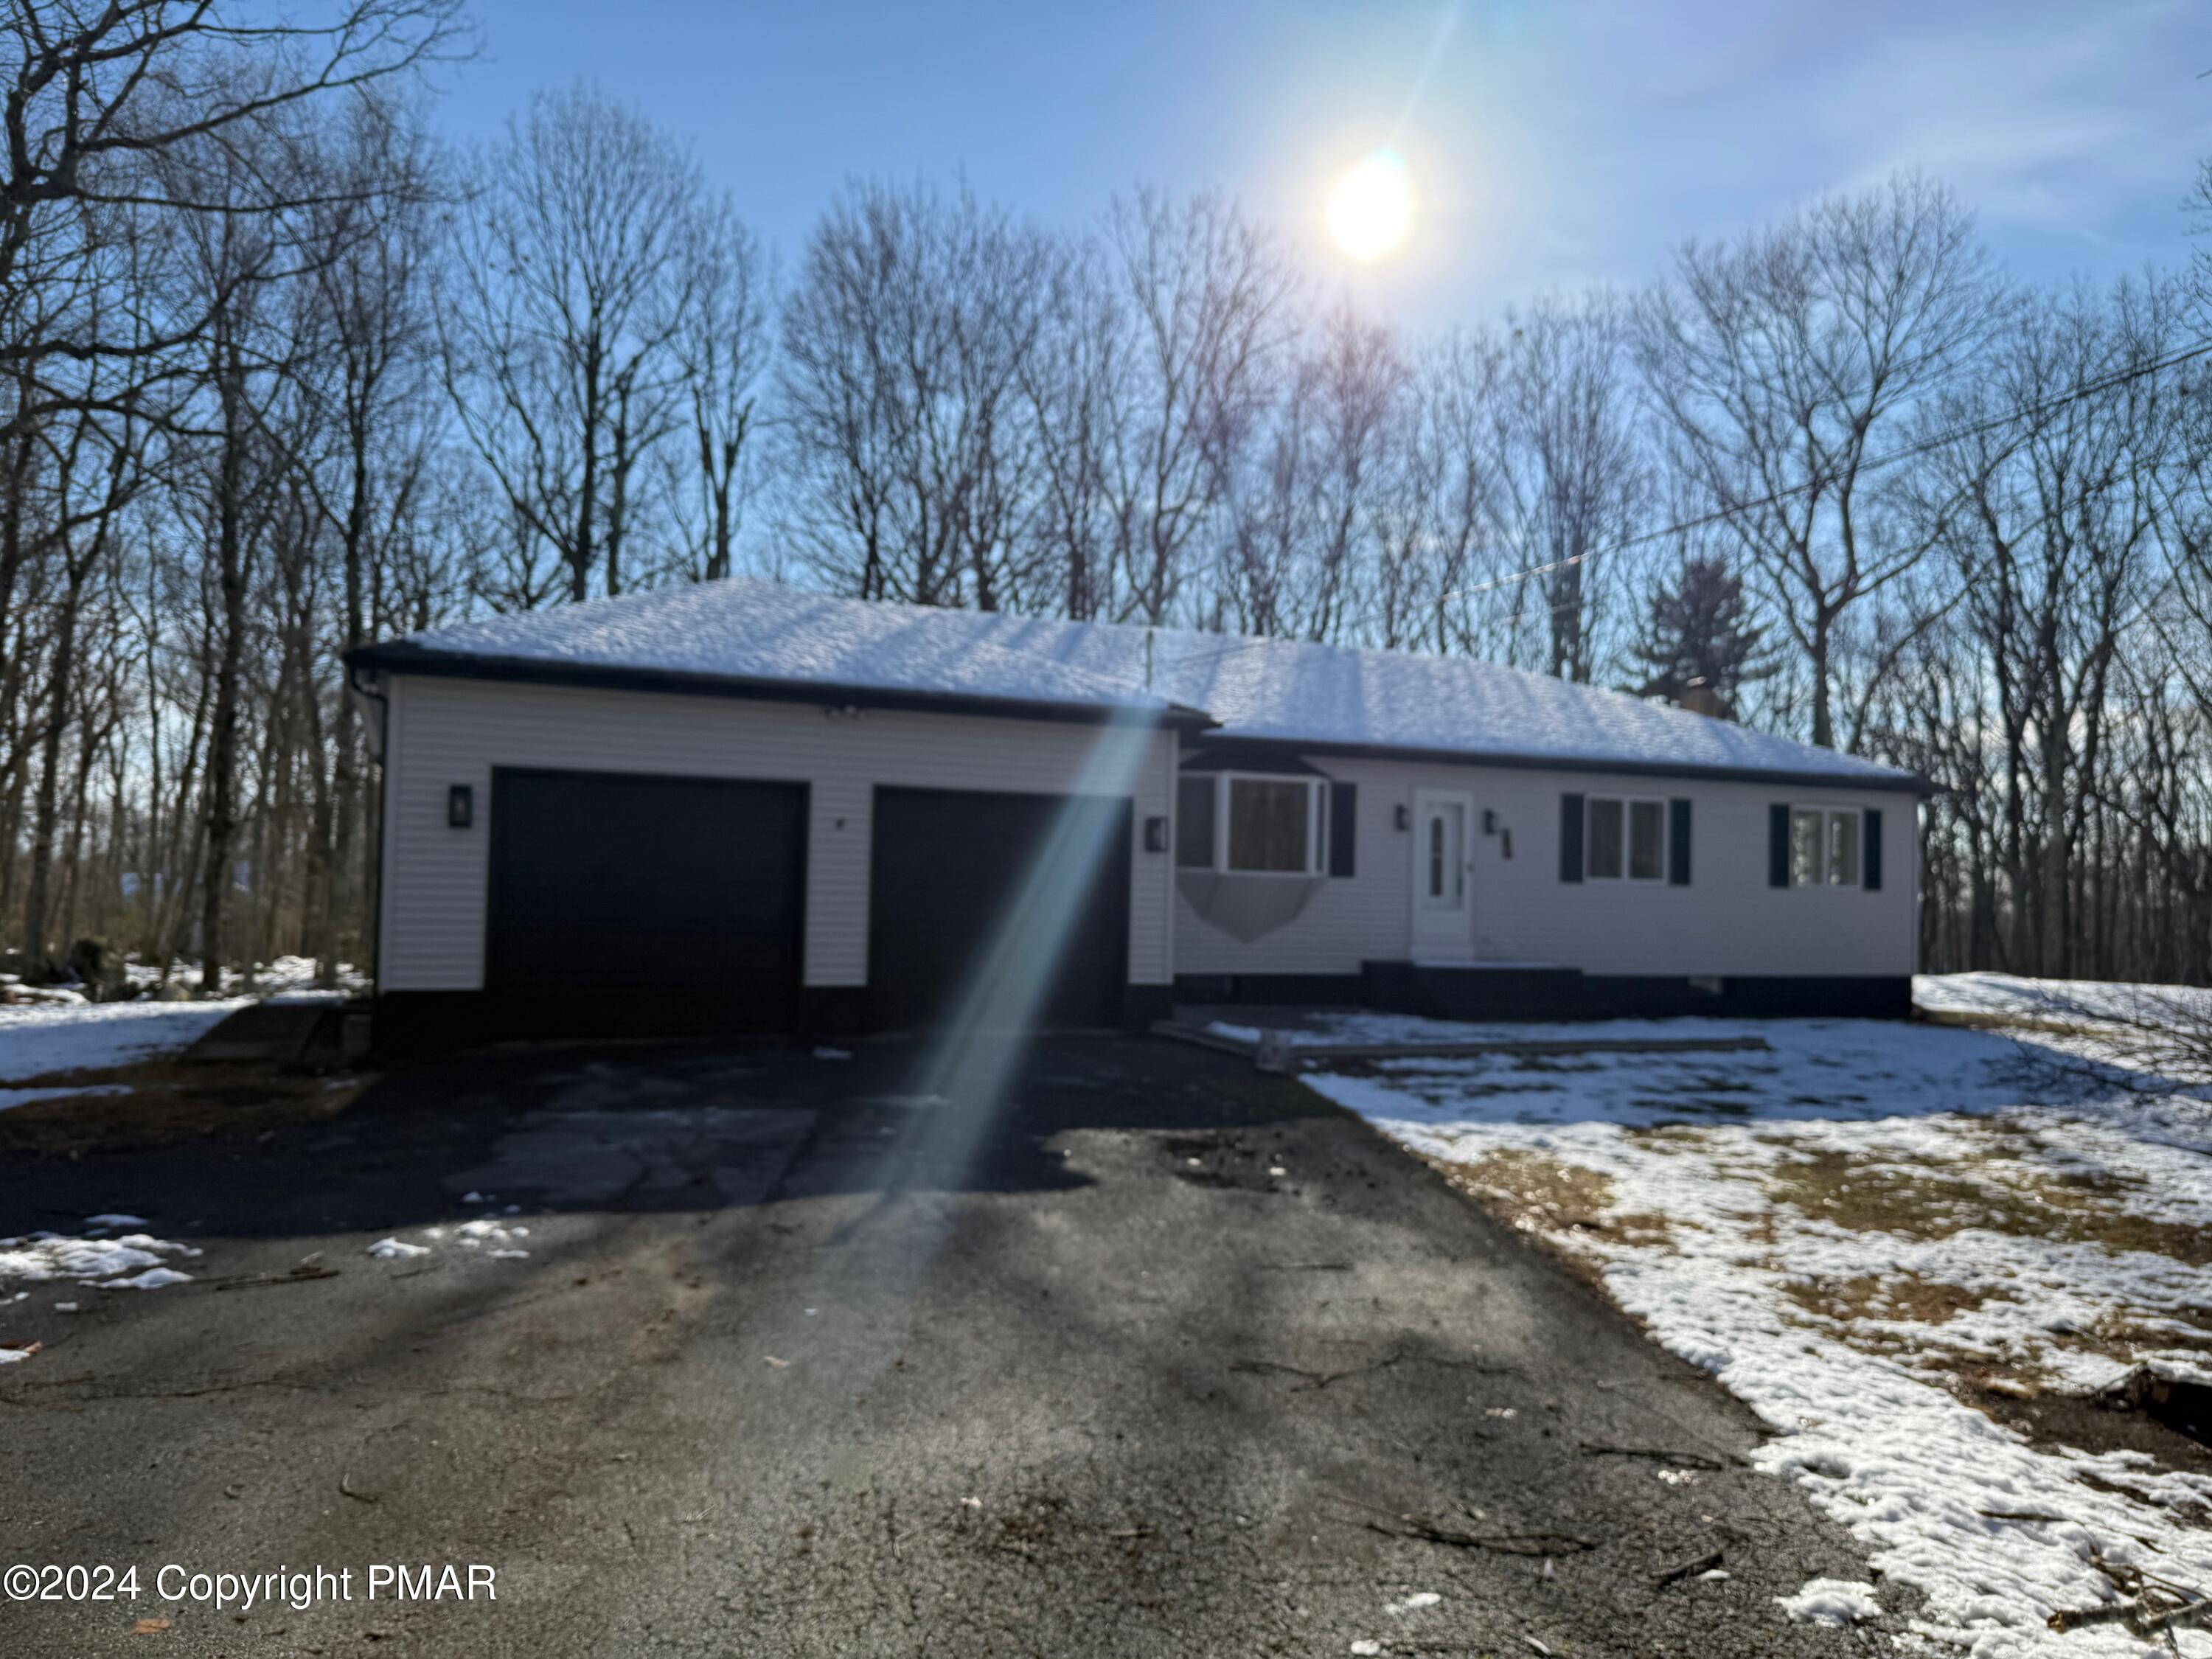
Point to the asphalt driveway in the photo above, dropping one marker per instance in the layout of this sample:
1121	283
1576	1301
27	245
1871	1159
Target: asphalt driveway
1156	1355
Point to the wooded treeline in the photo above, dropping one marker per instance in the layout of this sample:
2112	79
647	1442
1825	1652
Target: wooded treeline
280	373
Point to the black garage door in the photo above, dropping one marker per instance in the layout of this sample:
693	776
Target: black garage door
948	873
623	905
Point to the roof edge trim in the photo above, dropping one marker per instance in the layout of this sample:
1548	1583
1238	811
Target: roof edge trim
398	657
1888	782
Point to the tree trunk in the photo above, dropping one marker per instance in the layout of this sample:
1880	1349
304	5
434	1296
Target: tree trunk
221	817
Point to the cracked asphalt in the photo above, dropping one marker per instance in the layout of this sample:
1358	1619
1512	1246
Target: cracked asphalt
1156	1356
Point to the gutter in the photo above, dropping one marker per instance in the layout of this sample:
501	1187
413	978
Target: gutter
398	657
1716	773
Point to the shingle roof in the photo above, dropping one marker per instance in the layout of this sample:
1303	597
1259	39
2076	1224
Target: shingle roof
750	631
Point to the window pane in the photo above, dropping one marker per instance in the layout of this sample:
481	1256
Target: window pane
1267	824
1646	836
1195	821
1805	848
1604	839
1435	855
1843	850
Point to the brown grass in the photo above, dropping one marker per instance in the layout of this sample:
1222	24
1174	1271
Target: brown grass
169	1100
1542	1195
1906	1296
1998	1190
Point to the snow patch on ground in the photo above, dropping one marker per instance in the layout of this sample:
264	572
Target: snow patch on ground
24	1097
1831	1601
154	1279
1855	1233
277	977
134	1261
2016	995
37	1042
486	1234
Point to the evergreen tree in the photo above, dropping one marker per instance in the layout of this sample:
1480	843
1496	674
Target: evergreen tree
1700	637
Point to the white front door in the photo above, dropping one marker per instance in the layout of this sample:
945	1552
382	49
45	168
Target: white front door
1443	913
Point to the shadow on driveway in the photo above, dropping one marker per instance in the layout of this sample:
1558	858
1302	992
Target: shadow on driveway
1164	1356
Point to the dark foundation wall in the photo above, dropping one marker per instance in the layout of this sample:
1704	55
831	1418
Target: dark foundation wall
1287	990
1561	993
407	1023
1887	996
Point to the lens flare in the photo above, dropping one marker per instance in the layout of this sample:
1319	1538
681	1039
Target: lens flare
1371	207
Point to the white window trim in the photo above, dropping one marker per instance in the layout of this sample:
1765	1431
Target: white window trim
1666	835
1317	790
1824	885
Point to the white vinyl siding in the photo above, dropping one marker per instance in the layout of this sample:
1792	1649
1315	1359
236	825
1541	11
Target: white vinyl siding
1728	922
444	732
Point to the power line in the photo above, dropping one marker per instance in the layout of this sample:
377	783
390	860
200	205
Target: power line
1918	447
1216	651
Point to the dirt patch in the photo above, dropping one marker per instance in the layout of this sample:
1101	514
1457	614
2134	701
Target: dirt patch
2063	1421
1906	1296
2000	1192
1542	1195
170	1100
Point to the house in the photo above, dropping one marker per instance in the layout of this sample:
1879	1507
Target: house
737	807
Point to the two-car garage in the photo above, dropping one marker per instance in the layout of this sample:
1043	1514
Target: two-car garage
623	903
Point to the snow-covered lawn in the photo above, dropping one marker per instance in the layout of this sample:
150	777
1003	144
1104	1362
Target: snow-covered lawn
42	1040
2013	997
38	1041
1863	1231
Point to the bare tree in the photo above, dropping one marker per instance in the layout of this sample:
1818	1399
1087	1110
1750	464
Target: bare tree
1785	364
371	273
1305	510
568	289
2057	534
905	340
1078	388
1212	303
721	344
1570	471
95	92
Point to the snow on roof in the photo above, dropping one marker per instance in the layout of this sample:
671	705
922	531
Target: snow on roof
751	630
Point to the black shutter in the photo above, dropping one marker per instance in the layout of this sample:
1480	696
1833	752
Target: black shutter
1343	828
1570	838
1870	858
1678	842
1194	820
1778	844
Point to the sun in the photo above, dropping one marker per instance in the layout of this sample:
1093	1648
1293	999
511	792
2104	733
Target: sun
1370	207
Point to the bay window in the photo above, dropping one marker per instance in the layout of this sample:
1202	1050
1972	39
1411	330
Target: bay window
1252	823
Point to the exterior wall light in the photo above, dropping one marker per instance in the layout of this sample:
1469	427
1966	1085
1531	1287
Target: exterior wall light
1403	815
461	805
1155	834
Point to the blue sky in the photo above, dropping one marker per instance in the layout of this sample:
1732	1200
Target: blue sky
1549	144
